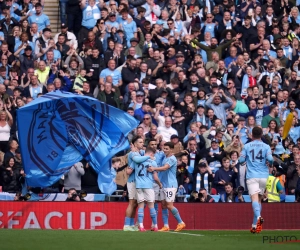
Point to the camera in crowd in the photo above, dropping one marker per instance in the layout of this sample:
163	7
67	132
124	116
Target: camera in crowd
20	197
73	195
238	194
239	191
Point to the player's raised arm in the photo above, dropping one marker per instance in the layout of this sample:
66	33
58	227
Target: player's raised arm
140	159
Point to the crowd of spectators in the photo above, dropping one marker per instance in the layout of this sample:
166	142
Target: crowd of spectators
198	73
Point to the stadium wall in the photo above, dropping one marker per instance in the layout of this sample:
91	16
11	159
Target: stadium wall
110	215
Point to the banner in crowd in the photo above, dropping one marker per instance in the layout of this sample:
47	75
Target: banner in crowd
110	215
58	129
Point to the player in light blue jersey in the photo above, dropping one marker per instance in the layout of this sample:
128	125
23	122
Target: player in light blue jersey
256	154
133	157
169	182
159	156
144	187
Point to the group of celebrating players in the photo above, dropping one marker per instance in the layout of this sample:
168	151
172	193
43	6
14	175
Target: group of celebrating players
145	167
152	179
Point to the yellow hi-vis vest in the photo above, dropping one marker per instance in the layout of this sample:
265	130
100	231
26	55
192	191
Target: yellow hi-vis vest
273	195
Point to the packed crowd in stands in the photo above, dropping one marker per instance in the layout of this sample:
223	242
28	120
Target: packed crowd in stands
198	73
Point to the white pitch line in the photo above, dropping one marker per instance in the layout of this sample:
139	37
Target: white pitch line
199	235
229	235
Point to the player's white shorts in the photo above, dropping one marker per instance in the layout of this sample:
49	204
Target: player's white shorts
168	194
131	190
145	194
256	185
156	191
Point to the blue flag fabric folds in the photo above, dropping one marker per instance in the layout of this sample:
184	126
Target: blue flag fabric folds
60	128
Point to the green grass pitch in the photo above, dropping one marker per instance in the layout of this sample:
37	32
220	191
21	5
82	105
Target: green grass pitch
110	240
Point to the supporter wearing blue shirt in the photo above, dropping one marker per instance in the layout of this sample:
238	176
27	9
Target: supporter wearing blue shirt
52	56
29	8
12	15
140	113
39	18
112	21
215	102
90	14
294	132
232	57
24	39
113	72
294	15
67	84
209	25
128	25
241	130
14	6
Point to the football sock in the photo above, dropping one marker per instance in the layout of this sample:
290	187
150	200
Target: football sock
156	208
141	216
176	215
260	206
165	217
153	217
256	211
131	221
127	221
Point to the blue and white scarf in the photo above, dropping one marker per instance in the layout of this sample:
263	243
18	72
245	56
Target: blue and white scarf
215	165
205	181
201	119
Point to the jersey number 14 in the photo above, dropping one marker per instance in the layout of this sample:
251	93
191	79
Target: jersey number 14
257	156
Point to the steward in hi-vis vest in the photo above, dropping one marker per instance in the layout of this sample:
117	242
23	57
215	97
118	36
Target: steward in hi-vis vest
273	186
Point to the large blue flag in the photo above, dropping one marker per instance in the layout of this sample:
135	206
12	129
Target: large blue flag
59	129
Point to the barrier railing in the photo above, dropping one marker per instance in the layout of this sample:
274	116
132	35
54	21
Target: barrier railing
103	197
